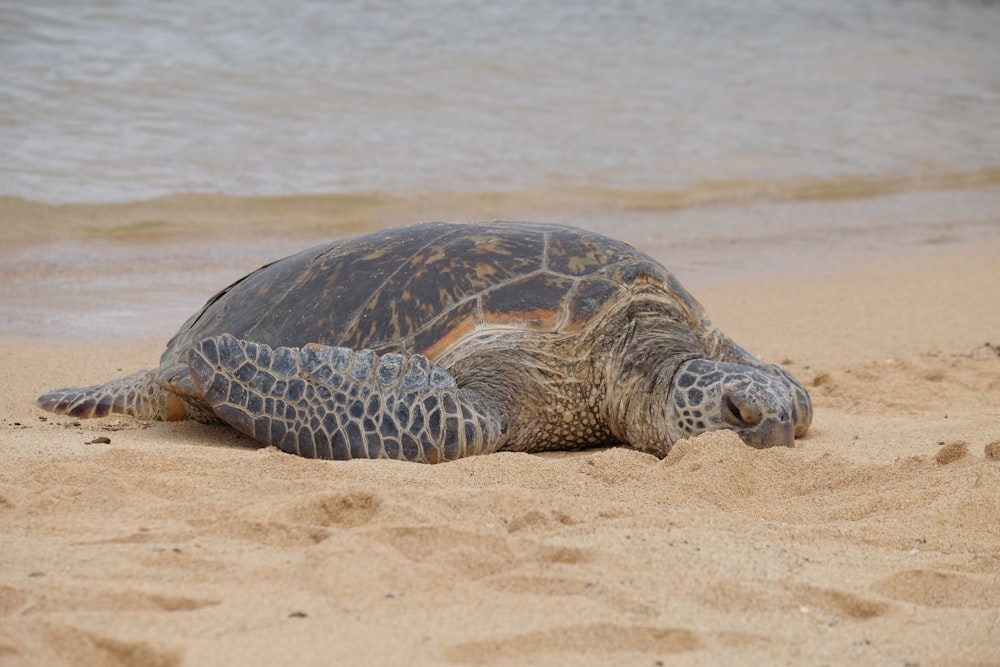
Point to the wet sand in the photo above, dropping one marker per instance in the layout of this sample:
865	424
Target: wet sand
876	540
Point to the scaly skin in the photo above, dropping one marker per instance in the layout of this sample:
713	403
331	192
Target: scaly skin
139	395
335	403
766	407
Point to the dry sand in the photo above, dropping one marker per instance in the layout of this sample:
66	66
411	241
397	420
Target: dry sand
876	540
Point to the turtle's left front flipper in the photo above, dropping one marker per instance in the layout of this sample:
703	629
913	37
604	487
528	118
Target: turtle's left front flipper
336	403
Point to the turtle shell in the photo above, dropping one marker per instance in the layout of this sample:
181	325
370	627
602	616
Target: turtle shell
420	289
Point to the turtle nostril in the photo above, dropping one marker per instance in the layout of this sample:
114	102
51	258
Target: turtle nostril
738	412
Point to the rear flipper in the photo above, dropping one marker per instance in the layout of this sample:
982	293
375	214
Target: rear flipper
336	403
139	395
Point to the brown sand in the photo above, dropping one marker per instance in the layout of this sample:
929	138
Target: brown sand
876	540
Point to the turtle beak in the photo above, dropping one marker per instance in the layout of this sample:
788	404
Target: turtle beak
771	432
742	414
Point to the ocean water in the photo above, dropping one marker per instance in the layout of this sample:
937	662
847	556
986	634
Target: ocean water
117	100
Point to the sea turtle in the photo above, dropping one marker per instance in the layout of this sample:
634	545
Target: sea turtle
438	341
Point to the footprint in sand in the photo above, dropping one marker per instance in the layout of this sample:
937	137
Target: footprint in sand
548	586
63	599
452	550
58	643
933	588
744	597
348	509
595	640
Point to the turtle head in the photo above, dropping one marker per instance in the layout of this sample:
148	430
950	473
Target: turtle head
764	405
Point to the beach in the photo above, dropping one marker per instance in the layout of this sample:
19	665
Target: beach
875	540
822	177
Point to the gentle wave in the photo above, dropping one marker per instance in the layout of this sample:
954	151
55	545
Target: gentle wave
25	222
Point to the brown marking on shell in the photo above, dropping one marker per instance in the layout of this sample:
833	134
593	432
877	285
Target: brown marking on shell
577	253
449	328
534	302
537	320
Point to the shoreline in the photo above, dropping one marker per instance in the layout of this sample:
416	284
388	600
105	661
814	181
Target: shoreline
139	270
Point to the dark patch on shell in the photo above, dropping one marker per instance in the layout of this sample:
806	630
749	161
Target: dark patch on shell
531	302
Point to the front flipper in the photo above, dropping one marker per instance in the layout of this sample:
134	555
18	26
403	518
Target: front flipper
336	403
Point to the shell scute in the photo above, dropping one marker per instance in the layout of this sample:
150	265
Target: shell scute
578	253
588	298
533	302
